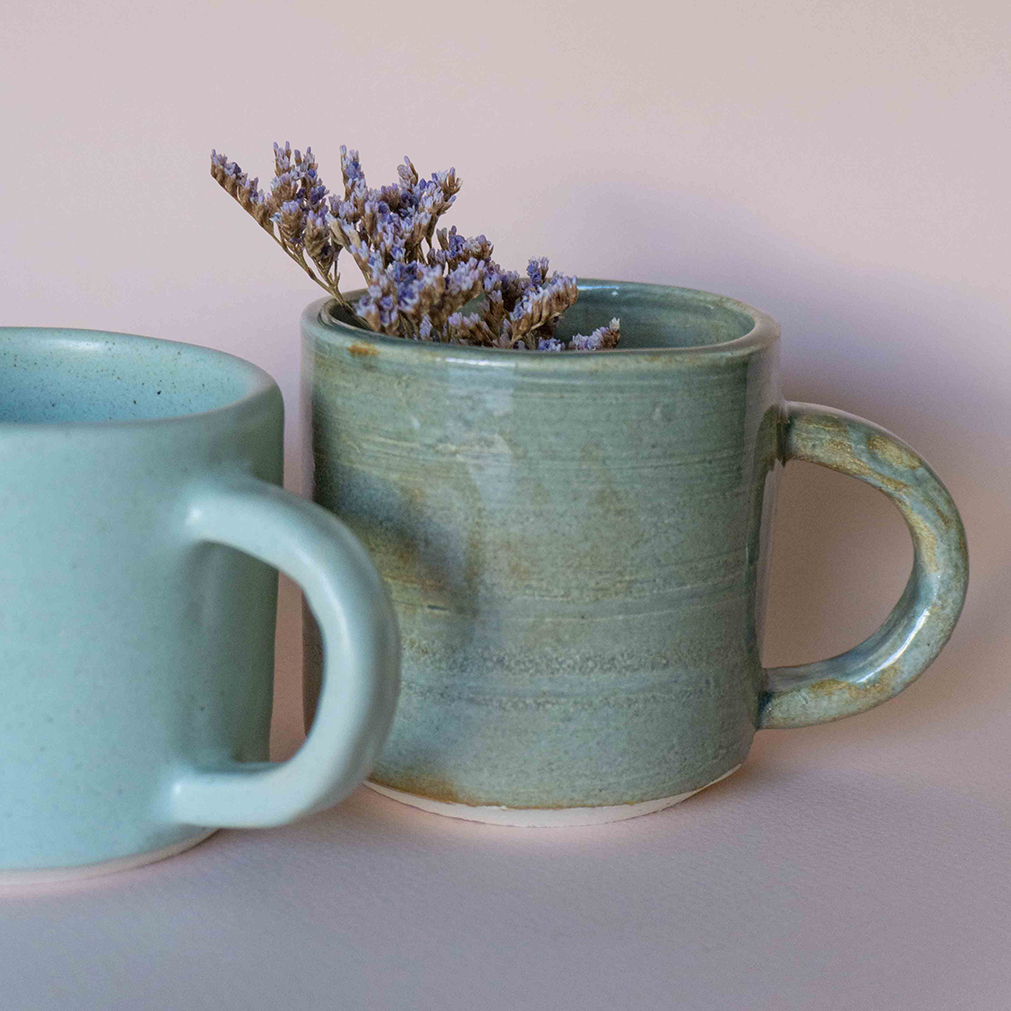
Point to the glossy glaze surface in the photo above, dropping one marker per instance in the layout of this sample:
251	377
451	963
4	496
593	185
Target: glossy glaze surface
575	545
924	616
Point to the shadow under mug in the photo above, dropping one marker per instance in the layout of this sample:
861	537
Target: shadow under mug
576	546
141	525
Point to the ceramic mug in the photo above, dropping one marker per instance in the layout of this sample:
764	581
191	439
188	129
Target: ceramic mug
141	519
576	546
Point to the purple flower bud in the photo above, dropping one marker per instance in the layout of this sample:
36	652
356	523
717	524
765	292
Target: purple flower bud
537	271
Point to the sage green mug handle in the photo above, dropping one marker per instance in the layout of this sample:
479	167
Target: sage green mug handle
361	675
920	623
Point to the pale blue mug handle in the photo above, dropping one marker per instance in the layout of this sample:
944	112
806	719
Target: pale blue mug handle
361	676
920	623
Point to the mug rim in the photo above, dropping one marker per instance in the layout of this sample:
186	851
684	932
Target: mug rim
256	381
320	321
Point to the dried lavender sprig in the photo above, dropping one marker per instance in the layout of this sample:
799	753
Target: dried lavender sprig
410	292
293	213
601	339
534	316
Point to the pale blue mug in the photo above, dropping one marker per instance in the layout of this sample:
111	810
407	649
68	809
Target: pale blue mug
140	518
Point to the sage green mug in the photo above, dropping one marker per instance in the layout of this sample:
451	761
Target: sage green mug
141	519
576	546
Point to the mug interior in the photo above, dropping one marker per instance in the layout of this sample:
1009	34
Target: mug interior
89	376
655	316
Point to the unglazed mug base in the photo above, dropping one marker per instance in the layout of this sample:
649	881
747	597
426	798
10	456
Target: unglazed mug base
519	817
54	875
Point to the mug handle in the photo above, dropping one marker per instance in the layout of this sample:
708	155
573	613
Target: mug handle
361	678
921	622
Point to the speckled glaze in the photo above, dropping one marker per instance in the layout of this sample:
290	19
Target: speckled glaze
137	642
576	548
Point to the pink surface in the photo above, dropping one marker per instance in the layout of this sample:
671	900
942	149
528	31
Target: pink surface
787	886
842	166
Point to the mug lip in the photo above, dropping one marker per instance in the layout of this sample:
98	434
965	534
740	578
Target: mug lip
258	382
319	321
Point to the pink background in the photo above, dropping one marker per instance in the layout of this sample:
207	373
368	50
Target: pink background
843	166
